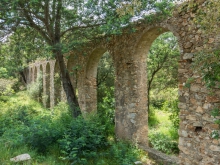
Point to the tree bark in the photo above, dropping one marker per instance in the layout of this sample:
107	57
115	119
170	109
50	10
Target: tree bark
64	74
67	86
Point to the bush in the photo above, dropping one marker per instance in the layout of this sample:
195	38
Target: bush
6	87
163	143
172	107
124	153
42	134
3	73
82	139
152	118
35	89
39	129
106	112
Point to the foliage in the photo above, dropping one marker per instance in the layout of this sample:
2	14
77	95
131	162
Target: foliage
124	153
105	75
162	66
26	127
106	112
105	90
188	82
82	139
172	108
208	64
35	89
6	86
165	120
163	58
208	16
163	143
3	72
165	100
25	124
21	48
216	113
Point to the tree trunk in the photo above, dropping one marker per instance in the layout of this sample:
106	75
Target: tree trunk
67	86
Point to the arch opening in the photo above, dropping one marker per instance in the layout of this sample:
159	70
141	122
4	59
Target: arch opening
105	92
162	89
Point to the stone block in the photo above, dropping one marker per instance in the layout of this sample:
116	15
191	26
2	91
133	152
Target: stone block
195	88
214	148
20	158
199	110
187	56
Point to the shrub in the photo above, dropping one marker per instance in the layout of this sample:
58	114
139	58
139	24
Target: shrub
82	139
6	87
172	107
106	111
163	143
30	125
124	153
3	73
35	89
42	134
152	118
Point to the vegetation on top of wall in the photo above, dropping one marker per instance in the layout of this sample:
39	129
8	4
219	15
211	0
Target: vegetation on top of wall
208	65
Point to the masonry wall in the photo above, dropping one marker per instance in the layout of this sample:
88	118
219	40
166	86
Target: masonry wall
129	52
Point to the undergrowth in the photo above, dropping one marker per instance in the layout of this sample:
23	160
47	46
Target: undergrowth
53	137
164	122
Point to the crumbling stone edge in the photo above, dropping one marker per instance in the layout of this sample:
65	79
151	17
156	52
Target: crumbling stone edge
160	157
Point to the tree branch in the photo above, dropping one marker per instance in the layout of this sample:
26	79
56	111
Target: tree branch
80	27
57	20
35	26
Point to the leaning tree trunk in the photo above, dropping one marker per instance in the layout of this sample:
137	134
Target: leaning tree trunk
67	86
64	74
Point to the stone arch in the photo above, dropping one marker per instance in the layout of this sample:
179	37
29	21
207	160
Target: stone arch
141	49
145	42
87	85
148	36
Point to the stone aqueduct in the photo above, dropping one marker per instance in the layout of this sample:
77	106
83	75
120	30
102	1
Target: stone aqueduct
129	53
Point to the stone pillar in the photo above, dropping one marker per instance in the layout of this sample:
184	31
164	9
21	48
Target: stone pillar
57	84
52	66
44	97
131	114
47	87
33	73
63	97
29	75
